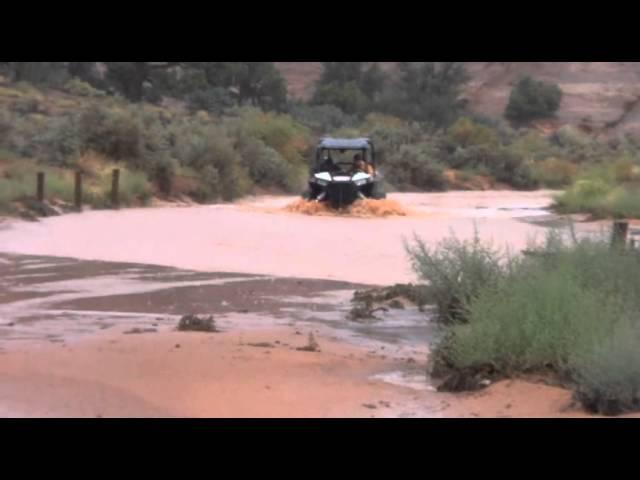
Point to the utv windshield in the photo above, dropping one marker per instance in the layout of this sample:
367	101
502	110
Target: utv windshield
344	153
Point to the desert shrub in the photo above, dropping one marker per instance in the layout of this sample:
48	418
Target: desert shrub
28	105
621	202
164	173
533	99
596	192
570	309
321	118
213	100
455	272
570	137
531	320
6	126
134	187
608	375
415	166
626	169
219	163
346	96
266	167
554	172
533	146
280	132
59	185
113	132
80	88
503	164
59	143
466	133
12	190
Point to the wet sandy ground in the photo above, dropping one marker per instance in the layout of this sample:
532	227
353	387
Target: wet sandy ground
65	349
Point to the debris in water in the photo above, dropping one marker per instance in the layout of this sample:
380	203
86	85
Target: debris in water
261	345
312	345
193	323
140	331
366	208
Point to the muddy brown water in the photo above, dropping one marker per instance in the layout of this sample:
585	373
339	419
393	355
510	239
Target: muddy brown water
259	236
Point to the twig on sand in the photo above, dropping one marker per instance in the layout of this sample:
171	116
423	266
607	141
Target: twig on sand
312	345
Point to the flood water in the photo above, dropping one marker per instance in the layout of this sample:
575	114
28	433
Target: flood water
259	236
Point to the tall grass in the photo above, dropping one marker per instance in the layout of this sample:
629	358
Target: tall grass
18	183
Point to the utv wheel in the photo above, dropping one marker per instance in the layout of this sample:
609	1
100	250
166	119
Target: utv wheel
378	193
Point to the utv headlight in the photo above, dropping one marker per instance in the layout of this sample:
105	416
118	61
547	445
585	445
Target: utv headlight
360	183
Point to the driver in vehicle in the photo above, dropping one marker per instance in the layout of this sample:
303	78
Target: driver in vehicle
359	165
328	165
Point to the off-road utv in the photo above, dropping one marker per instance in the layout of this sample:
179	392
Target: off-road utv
344	171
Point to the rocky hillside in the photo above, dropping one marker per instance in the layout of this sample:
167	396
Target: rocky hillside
600	97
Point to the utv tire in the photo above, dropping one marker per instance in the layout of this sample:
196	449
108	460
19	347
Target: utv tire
378	193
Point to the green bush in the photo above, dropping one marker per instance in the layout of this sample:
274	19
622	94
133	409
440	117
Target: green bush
12	190
554	172
28	105
59	143
221	166
530	321
321	118
213	100
6	126
346	96
59	185
266	167
569	309
608	375
455	272
570	137
134	187
504	165
533	146
280	132
116	133
533	99
414	166
599	193
466	133
80	88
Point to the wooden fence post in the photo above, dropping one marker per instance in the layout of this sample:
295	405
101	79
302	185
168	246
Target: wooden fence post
78	191
620	234
115	189
40	189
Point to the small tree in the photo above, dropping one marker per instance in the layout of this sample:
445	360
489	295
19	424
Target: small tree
533	99
427	92
351	86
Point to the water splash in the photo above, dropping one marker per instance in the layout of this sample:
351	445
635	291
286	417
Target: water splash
367	208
